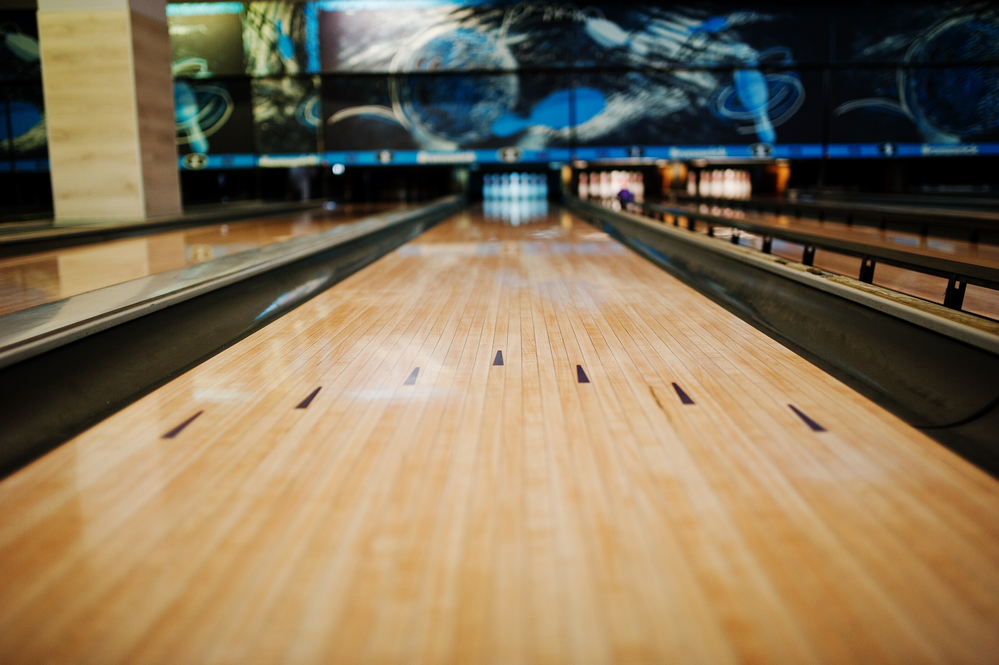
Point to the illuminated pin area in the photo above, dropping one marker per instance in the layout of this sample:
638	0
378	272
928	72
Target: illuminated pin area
617	186
721	184
515	198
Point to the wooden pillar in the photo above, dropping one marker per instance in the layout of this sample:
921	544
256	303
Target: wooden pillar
109	108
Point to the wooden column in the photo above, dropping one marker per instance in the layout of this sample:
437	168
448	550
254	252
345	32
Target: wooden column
109	108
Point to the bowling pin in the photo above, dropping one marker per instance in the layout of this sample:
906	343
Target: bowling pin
717	181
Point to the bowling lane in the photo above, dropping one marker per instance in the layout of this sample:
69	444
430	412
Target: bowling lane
34	279
501	443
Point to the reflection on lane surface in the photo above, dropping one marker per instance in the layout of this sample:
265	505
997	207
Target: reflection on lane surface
26	281
515	211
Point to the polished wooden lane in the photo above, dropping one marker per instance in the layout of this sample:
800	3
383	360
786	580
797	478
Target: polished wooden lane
35	279
528	445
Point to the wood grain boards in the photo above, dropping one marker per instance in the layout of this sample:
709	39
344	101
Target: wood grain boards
501	513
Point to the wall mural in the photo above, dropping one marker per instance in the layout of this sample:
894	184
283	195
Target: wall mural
278	38
287	114
23	139
746	105
206	39
919	100
378	82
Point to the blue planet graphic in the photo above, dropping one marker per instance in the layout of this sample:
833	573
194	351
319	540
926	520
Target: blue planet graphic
752	90
26	131
553	111
963	101
947	104
457	109
200	112
23	117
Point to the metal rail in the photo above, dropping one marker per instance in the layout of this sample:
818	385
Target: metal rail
959	274
974	221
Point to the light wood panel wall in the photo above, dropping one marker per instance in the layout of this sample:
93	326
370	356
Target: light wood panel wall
154	102
89	104
109	148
